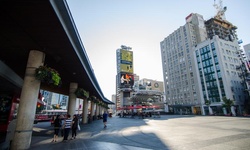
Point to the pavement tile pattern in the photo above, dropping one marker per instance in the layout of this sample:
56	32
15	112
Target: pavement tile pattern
170	132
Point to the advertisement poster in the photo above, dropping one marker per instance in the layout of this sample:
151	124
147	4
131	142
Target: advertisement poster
126	80
126	64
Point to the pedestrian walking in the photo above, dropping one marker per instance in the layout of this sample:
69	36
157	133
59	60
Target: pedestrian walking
67	126
57	126
74	126
105	118
159	114
62	118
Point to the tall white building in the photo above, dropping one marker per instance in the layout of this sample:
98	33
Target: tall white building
246	55
180	79
199	63
216	63
247	51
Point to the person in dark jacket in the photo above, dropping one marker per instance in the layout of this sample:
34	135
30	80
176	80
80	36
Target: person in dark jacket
105	118
57	126
74	126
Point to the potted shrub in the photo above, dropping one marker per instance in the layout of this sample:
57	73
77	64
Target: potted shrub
48	75
93	99
81	93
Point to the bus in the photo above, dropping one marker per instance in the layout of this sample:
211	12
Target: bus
9	105
8	113
49	115
54	112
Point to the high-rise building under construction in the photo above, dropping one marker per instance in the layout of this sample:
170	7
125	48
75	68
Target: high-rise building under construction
199	63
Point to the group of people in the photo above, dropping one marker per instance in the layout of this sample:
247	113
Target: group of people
70	124
140	114
66	125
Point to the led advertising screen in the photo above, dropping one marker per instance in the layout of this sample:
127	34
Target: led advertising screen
127	68
126	80
126	64
126	56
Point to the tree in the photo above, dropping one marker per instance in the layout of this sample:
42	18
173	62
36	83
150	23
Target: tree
207	102
227	103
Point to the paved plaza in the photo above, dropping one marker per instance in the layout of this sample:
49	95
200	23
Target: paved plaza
170	132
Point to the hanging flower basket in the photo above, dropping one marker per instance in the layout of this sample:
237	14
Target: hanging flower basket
89	99
98	102
104	105
81	93
48	75
93	99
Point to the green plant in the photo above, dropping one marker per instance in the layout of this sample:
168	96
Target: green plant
81	93
207	102
56	106
98	103
103	105
93	99
48	75
227	103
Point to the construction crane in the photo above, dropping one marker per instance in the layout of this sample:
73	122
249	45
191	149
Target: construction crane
220	10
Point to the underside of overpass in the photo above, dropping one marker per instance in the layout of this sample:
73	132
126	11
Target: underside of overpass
47	26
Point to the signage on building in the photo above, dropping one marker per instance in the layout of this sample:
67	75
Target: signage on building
189	17
126	64
126	80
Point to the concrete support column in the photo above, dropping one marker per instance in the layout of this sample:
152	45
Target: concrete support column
28	101
97	110
92	109
233	110
85	111
202	110
72	99
210	110
96	106
224	110
101	110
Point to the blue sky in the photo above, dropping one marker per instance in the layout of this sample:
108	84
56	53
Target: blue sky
105	25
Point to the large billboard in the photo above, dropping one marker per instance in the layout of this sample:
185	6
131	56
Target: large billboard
127	68
126	64
126	80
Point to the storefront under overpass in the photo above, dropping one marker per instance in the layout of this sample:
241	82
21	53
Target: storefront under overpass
41	33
